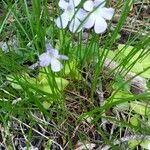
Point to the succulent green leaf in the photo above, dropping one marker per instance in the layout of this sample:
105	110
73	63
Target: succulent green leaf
140	108
135	120
145	144
118	97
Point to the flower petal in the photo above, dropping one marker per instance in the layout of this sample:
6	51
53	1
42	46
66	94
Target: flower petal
107	13
56	65
62	21
89	22
63	4
100	3
48	47
81	14
63	57
44	60
100	25
74	25
54	53
88	5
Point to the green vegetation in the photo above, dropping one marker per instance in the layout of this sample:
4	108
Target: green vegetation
66	83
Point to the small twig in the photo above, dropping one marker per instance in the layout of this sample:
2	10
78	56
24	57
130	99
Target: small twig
82	97
3	137
37	132
112	131
24	135
100	93
13	143
46	123
73	135
40	141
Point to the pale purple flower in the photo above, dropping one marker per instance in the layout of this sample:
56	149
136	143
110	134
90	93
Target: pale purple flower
52	57
69	15
99	13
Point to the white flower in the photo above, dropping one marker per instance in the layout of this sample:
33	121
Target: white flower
98	15
51	57
69	16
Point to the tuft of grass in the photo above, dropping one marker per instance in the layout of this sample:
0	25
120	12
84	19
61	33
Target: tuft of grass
57	110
